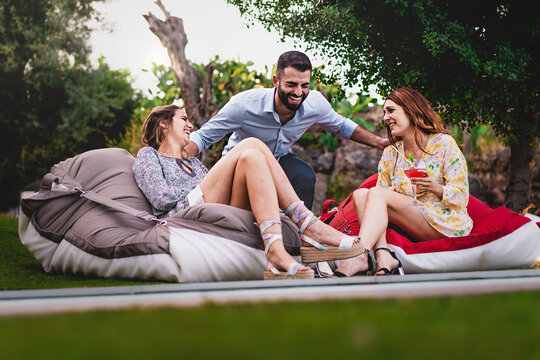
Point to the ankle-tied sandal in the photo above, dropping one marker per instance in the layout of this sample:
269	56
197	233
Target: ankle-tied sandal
398	270
318	252
271	272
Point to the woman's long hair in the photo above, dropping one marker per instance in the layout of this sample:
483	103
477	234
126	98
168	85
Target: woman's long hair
422	117
152	133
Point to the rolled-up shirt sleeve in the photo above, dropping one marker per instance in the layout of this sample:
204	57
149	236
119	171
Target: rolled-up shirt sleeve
330	120
227	120
455	174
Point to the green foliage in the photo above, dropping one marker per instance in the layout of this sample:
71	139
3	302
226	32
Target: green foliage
229	78
353	111
318	140
328	141
53	104
338	187
461	55
477	139
168	90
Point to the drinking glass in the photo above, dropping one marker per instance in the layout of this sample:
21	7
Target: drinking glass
414	173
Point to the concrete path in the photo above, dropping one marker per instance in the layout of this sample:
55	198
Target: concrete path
31	302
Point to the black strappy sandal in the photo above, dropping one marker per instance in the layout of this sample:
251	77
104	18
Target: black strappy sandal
398	270
368	271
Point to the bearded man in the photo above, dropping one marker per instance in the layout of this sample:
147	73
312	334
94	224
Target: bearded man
279	116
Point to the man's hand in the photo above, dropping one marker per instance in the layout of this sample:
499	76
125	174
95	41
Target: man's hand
191	149
382	143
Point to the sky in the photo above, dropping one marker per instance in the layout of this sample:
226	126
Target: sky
212	27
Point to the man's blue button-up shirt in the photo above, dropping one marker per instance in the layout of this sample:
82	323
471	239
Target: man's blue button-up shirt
251	114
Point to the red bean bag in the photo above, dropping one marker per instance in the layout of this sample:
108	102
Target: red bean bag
500	239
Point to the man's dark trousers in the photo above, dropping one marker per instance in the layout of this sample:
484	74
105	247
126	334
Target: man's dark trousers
301	176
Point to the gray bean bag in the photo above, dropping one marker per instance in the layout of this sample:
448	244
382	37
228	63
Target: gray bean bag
67	232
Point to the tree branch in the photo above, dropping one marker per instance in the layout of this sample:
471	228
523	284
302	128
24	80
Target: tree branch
204	106
173	37
160	4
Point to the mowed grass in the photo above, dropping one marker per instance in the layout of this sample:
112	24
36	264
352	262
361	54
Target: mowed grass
20	270
498	326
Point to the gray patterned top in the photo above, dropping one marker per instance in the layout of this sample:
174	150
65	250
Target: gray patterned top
164	182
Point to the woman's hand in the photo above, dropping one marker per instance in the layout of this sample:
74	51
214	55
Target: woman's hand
427	183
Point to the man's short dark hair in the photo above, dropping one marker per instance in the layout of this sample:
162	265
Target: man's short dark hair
296	59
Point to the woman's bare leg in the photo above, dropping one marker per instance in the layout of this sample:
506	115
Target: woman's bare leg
383	206
221	174
220	177
353	265
359	203
251	175
376	208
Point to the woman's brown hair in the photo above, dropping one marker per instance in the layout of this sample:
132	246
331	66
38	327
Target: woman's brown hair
152	132
422	117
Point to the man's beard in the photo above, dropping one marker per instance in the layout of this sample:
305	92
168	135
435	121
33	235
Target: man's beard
284	98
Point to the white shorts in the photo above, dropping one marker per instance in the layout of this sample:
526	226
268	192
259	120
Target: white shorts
195	196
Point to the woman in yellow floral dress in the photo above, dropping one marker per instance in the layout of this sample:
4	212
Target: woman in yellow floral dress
413	128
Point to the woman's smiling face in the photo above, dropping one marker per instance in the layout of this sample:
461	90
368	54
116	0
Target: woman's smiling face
179	128
395	118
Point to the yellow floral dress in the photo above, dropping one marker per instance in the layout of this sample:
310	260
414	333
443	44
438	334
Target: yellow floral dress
446	165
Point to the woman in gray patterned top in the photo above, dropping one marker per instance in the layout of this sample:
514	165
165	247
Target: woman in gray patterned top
248	177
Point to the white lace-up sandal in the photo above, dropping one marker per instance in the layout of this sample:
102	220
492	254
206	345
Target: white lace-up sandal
294	270
318	252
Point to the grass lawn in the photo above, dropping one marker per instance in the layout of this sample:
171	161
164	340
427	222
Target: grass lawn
492	326
499	326
20	270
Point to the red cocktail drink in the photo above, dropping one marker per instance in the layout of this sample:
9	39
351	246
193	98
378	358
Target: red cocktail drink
414	173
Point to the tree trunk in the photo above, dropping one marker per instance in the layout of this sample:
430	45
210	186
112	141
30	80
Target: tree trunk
518	190
173	37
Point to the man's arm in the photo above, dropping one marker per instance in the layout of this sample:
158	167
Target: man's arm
334	123
226	121
363	136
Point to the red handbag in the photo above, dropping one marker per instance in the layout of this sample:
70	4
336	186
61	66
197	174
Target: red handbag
342	216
